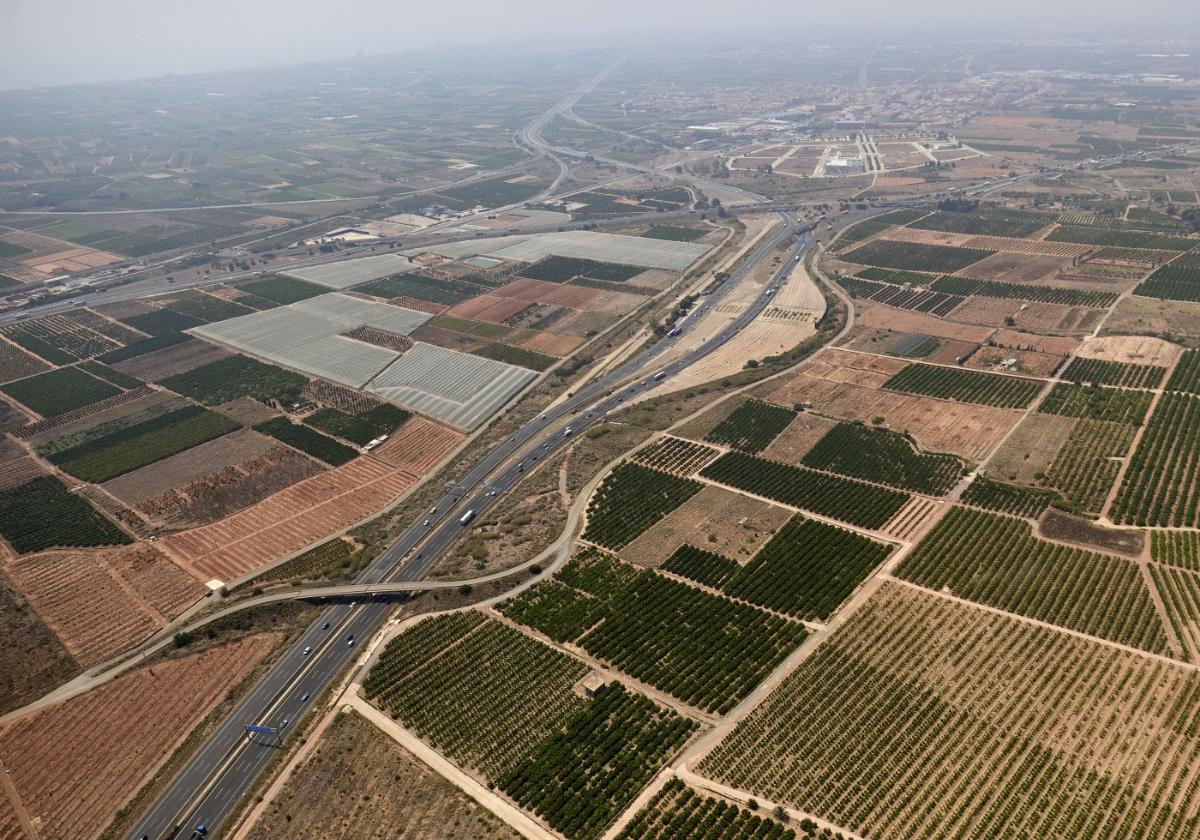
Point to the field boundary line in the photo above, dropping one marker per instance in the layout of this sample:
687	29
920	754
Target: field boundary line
14	799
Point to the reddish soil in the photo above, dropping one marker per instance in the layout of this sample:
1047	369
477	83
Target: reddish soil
1015	268
928	237
289	520
614	303
419	305
101	602
801	435
1054	345
495	310
74	764
539	291
552	344
247	411
449	339
874	316
229	490
418	446
1028	361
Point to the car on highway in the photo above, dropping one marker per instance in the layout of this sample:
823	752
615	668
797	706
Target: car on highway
307	651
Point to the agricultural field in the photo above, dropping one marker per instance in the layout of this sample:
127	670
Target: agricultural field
1086	466
33	661
884	457
631	499
1088	235
981	223
1007	498
1172	282
1158	487
453	683
914	256
1186	376
283	290
1176	548
438	290
141	348
1180	592
58	339
679	813
1005	729
233	377
361	427
308	441
865	505
358	783
675	456
920	299
752	426
964	286
965	386
16	363
73	764
59	391
996	560
43	514
703	649
1093	402
108	456
1120	374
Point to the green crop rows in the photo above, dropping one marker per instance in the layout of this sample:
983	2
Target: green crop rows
518	356
115	377
885	457
1159	487
699	565
207	308
921	300
416	285
675	234
967	386
752	426
307	440
704	649
233	377
678	813
1120	238
43	514
119	452
1186	376
162	322
56	342
980	223
1086	466
1043	294
578	780
915	256
1093	402
283	290
630	500
58	391
332	558
996	560
1007	498
480	692
865	505
1100	372
1176	548
140	348
1172	282
807	569
358	428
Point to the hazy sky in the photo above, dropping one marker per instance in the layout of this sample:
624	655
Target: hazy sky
66	41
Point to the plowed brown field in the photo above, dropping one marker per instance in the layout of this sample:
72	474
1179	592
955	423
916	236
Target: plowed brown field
418	446
74	764
99	603
289	520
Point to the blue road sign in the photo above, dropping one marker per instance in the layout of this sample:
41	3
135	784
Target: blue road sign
255	729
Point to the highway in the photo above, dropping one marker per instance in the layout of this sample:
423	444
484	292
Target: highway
209	786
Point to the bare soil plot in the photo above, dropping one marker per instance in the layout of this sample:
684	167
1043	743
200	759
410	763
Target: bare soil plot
249	411
760	338
1174	320
99	603
794	442
1028	361
585	324
490	308
1063	527
418	446
1016	268
176	359
1131	349
1054	345
937	425
450	339
552	344
289	520
613	303
227	491
540	291
124	309
874	316
928	237
985	311
16	466
911	519
1031	448
714	519
190	465
74	764
359	783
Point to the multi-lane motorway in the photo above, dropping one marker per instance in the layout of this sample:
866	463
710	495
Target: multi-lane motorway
209	786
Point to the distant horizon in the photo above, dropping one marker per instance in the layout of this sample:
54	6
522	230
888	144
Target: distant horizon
43	48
